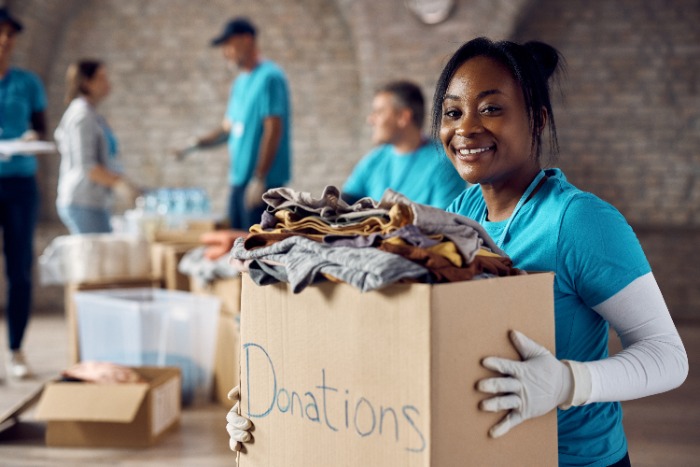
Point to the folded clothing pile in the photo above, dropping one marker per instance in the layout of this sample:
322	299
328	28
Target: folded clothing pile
369	244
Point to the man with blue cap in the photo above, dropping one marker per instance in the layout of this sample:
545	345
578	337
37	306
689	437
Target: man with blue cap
256	125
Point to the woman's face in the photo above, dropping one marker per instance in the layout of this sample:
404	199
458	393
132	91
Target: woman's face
98	86
485	128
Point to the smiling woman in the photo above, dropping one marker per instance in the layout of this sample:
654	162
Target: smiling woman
491	106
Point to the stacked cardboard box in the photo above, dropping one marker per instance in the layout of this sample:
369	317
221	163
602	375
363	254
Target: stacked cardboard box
226	368
165	257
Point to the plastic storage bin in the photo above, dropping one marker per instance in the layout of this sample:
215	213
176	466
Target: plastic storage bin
148	326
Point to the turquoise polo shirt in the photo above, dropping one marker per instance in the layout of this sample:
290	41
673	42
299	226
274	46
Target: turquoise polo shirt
424	176
21	95
256	95
594	254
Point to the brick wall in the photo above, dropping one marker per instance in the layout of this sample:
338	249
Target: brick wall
629	126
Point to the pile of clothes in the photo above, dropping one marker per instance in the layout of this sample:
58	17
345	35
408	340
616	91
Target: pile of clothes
368	244
203	270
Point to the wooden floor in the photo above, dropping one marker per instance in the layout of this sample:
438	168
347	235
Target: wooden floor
663	430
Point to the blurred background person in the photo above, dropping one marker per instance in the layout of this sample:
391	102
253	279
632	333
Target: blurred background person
256	125
22	116
404	159
90	172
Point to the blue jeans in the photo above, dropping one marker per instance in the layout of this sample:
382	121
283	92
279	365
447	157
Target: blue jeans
240	217
84	220
19	208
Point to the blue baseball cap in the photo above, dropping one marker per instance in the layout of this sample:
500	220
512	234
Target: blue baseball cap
6	17
233	28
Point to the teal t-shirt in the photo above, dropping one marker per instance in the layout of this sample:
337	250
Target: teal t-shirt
594	254
425	176
21	95
256	95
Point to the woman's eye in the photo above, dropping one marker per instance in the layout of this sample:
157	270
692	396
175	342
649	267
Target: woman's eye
451	113
490	110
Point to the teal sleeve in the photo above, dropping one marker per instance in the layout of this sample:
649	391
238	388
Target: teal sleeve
600	253
275	103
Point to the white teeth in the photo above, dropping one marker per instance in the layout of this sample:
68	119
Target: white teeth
464	152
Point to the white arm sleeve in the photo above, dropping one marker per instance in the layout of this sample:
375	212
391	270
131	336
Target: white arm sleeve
653	359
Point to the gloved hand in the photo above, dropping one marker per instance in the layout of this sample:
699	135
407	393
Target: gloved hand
531	388
126	191
238	427
254	192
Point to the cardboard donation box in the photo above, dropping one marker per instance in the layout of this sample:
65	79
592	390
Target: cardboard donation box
228	344
334	376
112	415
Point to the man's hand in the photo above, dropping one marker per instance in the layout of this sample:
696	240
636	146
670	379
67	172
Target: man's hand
180	153
530	388
254	192
219	242
237	426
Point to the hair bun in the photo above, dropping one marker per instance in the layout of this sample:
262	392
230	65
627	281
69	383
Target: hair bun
546	56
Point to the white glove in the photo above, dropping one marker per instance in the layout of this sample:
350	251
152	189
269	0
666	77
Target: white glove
238	427
533	386
125	191
254	192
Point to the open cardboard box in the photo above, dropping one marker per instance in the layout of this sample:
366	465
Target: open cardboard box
165	258
11	416
112	415
334	376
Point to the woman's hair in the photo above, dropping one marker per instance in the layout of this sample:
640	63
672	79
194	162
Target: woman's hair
77	75
408	95
531	64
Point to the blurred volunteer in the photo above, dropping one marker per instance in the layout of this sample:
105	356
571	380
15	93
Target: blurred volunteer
404	159
90	172
256	125
22	116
